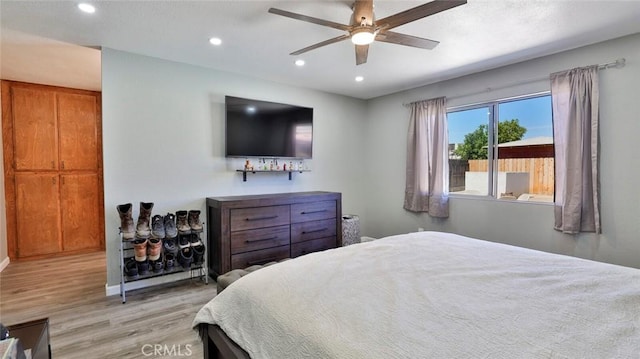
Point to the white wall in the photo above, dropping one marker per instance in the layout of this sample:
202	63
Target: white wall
163	139
523	224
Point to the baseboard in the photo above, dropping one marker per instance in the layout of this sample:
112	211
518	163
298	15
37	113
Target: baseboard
4	264
144	283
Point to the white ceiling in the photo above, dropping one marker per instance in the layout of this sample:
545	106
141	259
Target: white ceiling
480	35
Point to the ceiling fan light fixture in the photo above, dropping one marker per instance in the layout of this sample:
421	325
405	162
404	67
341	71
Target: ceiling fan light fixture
363	36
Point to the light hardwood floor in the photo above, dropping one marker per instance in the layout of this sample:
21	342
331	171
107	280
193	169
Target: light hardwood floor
70	291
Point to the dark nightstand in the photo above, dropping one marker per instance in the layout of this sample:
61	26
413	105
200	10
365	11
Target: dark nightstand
33	335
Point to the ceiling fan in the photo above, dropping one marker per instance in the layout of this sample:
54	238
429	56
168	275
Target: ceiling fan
364	28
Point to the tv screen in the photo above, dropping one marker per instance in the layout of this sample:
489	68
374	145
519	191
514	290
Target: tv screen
267	129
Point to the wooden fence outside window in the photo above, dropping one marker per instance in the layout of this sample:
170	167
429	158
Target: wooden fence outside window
541	171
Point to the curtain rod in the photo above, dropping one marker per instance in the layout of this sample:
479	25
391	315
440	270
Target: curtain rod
619	63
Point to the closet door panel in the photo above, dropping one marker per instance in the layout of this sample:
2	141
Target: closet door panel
80	216
34	129
38	220
77	120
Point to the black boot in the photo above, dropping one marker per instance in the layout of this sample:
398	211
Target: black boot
198	254
185	257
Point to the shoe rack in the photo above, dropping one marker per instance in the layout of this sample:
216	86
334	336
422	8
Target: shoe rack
196	269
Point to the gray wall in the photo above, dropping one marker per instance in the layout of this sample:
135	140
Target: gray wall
163	138
523	224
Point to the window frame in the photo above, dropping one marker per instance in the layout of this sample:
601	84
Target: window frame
492	153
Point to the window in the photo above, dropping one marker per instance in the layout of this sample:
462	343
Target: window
503	149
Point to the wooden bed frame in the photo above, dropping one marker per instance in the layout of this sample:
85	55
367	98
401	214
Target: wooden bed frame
217	345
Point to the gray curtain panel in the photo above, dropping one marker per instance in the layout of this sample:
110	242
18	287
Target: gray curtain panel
574	97
427	175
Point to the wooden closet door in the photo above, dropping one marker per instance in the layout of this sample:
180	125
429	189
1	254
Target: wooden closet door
77	121
34	129
38	222
80	200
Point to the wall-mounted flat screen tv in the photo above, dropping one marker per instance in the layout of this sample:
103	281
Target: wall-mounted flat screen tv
267	129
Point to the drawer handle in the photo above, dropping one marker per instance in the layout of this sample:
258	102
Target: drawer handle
262	261
260	239
315	230
260	218
312	212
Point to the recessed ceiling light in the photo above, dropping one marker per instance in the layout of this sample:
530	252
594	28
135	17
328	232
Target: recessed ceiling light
215	41
88	8
300	62
359	78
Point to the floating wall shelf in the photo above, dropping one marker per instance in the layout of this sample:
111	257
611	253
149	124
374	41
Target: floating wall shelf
244	173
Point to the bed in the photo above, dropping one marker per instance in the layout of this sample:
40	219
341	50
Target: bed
427	295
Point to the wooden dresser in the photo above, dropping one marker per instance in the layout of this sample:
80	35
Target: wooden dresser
256	229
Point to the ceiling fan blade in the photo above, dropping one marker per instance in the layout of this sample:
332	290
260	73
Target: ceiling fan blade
320	44
407	40
362	11
362	51
417	12
310	19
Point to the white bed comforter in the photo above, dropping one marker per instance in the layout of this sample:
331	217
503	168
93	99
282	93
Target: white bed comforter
432	295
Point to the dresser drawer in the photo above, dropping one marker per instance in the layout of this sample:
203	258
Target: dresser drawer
258	217
313	245
313	211
311	230
246	259
254	239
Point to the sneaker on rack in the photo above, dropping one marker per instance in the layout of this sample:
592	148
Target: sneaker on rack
157	226
194	240
184	240
170	226
169	261
170	247
131	269
156	266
